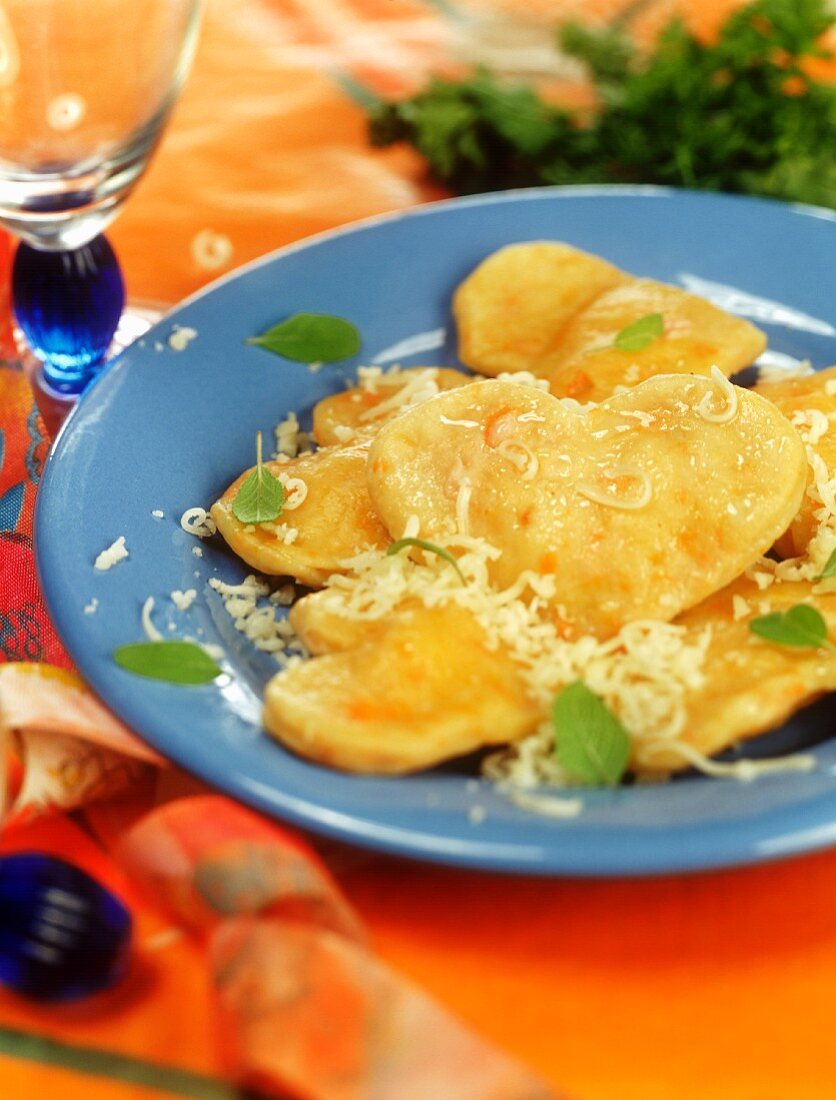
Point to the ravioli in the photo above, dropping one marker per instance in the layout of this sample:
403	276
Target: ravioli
811	401
750	685
547	308
639	508
421	688
357	413
335	521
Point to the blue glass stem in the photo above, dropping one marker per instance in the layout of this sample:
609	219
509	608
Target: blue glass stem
68	305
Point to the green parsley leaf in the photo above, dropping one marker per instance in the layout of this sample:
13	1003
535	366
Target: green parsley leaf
396	547
829	568
310	338
591	744
260	498
801	626
641	333
742	112
175	662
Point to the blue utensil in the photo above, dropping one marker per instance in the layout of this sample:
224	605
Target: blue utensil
62	935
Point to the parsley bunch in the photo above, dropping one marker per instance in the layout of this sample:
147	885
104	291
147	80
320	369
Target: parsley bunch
740	114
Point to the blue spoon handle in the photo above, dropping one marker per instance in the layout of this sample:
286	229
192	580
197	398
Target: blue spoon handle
68	305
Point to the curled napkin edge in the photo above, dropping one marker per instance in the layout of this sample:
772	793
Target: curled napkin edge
69	749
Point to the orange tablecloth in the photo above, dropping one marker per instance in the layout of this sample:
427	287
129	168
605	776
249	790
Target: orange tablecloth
719	985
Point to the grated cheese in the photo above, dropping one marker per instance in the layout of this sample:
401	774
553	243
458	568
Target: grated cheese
181	337
291	441
151	632
183	600
728	391
116	552
642	673
258	624
414	387
198	522
599	496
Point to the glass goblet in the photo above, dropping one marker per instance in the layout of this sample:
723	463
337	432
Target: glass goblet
85	91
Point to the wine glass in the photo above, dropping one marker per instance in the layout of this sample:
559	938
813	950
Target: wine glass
85	91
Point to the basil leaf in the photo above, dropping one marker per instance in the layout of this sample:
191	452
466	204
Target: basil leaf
396	547
801	626
175	662
310	338
641	333
590	742
829	568
260	498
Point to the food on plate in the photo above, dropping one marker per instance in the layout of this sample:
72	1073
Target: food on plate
358	412
511	309
639	507
323	630
327	517
749	684
421	687
481	544
809	401
558	312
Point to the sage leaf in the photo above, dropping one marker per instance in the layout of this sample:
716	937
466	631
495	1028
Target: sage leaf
310	338
640	334
173	661
260	498
801	626
396	547
591	744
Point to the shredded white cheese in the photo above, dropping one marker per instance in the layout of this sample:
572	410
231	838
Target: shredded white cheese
181	337
258	624
725	413
198	522
609	495
183	600
151	632
116	552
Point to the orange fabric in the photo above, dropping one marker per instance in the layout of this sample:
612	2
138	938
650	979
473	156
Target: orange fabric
719	985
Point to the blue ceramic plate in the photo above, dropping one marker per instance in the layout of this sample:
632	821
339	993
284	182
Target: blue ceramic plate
165	429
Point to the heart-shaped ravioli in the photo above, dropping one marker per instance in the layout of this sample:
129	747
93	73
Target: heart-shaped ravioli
421	687
570	318
639	507
327	517
749	684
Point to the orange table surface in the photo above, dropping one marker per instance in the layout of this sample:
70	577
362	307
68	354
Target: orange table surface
713	985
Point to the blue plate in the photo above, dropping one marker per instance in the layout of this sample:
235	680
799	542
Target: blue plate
165	429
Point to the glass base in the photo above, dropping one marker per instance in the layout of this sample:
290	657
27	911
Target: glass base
54	407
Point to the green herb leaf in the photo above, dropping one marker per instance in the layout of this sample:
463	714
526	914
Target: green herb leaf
641	333
829	568
743	112
311	338
260	498
590	742
396	547
801	626
175	662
